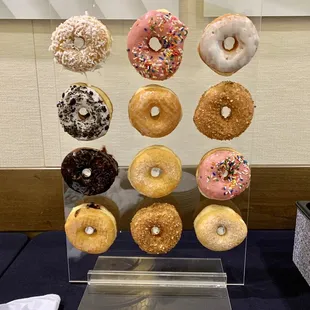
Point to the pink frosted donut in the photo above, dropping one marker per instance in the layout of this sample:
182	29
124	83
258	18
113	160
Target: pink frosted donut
170	32
222	174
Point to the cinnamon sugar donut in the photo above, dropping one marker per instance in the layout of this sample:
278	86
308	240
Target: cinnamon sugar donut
156	229
219	228
95	38
155	171
91	228
224	60
210	118
140	111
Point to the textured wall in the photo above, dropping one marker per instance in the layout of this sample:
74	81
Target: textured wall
278	79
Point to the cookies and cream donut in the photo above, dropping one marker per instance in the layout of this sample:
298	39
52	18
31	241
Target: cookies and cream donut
156	229
155	171
170	32
140	110
81	43
222	174
219	228
212	48
85	112
91	228
89	171
210	116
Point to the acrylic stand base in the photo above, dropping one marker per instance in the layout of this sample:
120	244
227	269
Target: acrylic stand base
156	283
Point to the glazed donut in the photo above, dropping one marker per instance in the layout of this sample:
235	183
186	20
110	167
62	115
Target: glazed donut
155	171
212	50
95	38
91	228
223	174
89	171
209	116
170	32
140	111
156	229
219	228
85	112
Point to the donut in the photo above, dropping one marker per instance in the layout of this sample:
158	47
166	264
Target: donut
210	118
142	104
170	32
155	171
223	174
91	228
89	171
81	43
219	228
224	60
85	112
156	229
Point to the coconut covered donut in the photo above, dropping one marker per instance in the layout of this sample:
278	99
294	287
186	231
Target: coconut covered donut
210	118
219	228
85	112
212	48
222	174
89	171
140	111
156	229
155	171
81	43
91	228
170	32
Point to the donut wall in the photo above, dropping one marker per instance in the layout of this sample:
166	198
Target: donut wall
26	61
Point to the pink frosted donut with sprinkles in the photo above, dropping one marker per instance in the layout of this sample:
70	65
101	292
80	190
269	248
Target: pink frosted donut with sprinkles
223	174
170	32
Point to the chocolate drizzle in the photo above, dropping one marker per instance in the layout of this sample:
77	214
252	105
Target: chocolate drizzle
103	166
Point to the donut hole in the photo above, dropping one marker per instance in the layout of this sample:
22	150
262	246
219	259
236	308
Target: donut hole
155	230
155	172
83	113
225	112
154	44
79	43
90	230
155	112
221	230
86	173
230	44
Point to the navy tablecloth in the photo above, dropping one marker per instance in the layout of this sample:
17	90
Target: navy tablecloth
273	282
10	246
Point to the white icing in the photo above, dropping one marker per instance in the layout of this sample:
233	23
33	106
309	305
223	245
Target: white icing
211	47
97	40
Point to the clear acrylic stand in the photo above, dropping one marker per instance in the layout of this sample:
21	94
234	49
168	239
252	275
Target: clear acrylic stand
190	276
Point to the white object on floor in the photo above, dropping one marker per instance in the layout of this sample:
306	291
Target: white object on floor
46	302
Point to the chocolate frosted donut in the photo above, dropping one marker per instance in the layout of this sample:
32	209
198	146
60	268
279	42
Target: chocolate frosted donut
89	171
85	112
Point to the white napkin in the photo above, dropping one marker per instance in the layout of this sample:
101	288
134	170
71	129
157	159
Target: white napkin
47	302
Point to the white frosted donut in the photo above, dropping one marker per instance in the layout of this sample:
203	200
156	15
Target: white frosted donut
212	48
85	112
94	37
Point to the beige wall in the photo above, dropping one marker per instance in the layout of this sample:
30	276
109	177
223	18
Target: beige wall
278	79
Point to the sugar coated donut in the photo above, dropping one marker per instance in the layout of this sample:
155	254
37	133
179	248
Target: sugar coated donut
155	171
81	43
219	228
91	228
210	118
170	32
222	174
142	104
224	60
89	171
85	112
156	229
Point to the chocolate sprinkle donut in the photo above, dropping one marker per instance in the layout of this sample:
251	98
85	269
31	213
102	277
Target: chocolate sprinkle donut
89	171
